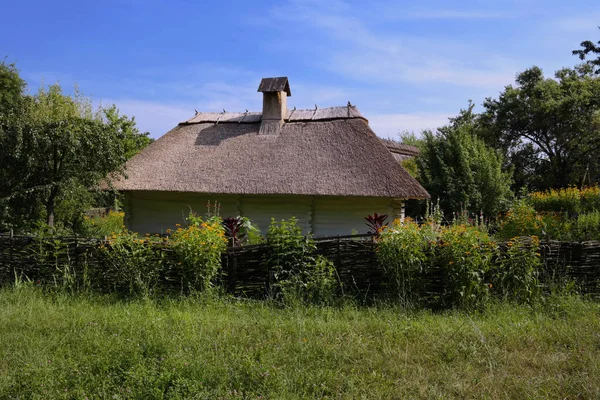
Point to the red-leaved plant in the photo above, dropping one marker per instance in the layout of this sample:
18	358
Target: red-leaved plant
233	230
376	223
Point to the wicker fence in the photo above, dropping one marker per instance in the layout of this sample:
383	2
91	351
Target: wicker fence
245	273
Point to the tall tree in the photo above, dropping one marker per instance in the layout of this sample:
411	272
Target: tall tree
587	48
460	170
547	128
58	145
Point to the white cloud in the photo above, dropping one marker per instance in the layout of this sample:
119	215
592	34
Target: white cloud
361	52
390	125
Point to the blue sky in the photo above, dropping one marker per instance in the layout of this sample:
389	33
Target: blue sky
407	65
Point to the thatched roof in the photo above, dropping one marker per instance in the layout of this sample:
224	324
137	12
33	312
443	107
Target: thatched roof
329	151
401	151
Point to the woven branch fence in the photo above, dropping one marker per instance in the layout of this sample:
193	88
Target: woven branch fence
245	273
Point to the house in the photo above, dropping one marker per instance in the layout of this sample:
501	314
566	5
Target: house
324	166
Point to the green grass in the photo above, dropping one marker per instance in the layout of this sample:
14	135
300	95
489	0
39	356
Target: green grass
61	346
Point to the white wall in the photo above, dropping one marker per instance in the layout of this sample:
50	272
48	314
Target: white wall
155	212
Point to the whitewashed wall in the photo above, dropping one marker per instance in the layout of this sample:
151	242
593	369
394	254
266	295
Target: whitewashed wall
155	212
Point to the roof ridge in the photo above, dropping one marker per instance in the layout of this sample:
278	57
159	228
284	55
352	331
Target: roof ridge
293	115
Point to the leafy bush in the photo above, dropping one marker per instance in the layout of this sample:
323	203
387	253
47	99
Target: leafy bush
516	274
523	220
404	253
465	255
588	226
590	199
103	226
134	264
50	256
319	282
569	200
462	254
556	200
297	274
198	248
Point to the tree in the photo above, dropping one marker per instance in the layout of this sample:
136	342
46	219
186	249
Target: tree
548	129
58	145
588	47
459	169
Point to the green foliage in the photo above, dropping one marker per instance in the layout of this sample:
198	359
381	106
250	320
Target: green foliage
319	282
52	258
465	259
458	168
297	274
588	226
55	148
404	252
568	200
516	275
101	226
563	214
547	128
523	220
589	48
198	248
465	254
133	264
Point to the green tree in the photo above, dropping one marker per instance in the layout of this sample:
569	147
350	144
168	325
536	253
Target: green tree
547	128
459	169
55	148
588	47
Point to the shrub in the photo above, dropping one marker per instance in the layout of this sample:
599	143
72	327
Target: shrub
556	200
590	199
404	253
516	273
134	264
51	260
103	226
297	275
523	220
198	248
465	255
569	200
319	282
588	226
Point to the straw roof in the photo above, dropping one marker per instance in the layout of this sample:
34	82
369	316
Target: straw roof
401	151
329	151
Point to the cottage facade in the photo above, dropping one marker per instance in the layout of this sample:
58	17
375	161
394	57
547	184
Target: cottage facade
325	167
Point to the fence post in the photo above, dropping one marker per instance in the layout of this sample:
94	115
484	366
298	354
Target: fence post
232	262
338	255
11	262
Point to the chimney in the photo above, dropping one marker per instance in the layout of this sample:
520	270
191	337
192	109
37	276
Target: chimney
274	112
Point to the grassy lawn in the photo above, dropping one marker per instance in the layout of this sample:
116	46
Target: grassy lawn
60	346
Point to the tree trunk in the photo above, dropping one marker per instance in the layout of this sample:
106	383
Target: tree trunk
50	206
50	212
